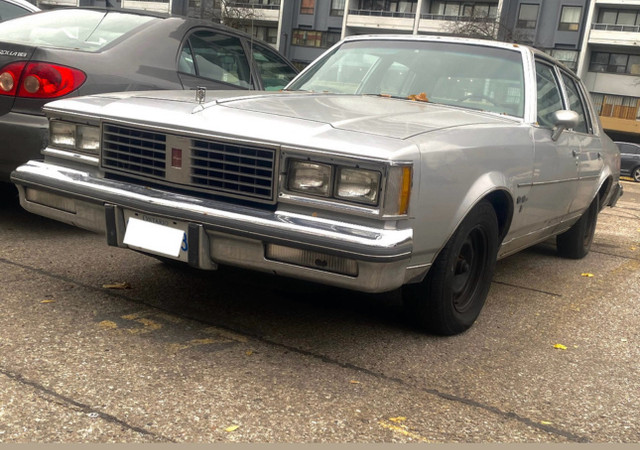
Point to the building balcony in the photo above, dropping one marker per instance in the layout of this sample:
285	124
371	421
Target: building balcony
385	20
437	23
619	2
256	11
610	34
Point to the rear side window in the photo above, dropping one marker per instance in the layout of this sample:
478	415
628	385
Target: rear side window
576	104
73	29
217	57
9	11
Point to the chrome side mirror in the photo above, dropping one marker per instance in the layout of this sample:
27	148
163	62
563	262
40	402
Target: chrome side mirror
562	120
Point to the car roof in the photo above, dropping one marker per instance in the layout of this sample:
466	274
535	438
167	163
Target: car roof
23	4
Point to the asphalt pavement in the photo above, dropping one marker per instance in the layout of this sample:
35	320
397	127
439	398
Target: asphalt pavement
100	344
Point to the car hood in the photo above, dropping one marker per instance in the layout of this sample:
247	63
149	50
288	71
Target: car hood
372	115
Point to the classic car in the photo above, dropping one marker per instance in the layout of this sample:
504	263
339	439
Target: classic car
629	160
72	52
391	162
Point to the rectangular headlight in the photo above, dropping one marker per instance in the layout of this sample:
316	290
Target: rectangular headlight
310	178
83	138
88	138
358	185
62	134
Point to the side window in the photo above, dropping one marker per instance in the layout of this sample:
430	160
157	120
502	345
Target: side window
576	104
9	11
274	70
549	96
217	57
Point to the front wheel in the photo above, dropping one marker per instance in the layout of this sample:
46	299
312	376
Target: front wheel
449	299
575	243
635	174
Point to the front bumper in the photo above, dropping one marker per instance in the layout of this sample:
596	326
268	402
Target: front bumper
223	233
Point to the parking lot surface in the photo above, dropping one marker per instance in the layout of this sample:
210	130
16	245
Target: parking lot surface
100	344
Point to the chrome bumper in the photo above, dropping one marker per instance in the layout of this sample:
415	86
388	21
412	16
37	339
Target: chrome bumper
221	232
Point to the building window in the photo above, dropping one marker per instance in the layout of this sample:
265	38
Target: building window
394	7
618	20
570	18
320	39
528	16
464	9
567	57
617	106
266	34
614	63
337	8
307	6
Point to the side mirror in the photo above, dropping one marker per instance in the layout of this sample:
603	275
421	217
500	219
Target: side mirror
562	120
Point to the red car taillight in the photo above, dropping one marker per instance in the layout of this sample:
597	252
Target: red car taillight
39	80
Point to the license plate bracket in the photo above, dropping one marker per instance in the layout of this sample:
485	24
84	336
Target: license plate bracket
157	235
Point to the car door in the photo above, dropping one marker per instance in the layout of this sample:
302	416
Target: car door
555	171
590	163
215	60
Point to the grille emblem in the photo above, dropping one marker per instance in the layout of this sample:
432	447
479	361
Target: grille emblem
176	158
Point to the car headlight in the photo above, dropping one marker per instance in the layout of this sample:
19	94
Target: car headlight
358	185
310	178
67	135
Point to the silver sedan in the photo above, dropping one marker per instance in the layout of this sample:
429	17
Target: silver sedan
391	162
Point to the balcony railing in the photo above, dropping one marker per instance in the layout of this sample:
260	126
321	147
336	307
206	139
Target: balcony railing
378	13
615	27
273	5
458	18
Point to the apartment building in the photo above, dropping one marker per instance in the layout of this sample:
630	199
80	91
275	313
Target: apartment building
610	65
599	39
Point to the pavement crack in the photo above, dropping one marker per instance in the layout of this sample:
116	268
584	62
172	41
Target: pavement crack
68	401
504	283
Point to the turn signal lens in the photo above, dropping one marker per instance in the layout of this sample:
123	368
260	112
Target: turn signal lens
39	80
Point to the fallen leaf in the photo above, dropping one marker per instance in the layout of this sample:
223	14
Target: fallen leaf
123	285
421	97
588	275
397	419
544	422
560	346
249	352
47	301
354	382
232	428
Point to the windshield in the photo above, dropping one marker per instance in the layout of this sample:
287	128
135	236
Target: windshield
466	75
73	29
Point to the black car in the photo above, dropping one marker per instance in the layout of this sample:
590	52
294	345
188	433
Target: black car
630	160
72	52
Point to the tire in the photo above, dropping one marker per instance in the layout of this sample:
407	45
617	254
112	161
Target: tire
575	243
450	298
635	174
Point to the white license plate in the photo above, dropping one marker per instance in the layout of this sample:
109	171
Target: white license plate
156	235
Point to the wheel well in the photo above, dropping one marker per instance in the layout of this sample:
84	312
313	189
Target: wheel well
604	191
503	206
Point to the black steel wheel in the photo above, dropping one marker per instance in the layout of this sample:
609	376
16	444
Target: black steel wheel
450	298
575	243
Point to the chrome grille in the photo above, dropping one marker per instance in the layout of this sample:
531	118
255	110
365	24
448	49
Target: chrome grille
233	168
205	166
134	151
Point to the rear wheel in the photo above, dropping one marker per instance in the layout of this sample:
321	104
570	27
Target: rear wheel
451	296
575	243
635	174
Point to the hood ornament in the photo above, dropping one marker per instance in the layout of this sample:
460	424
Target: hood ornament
201	94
